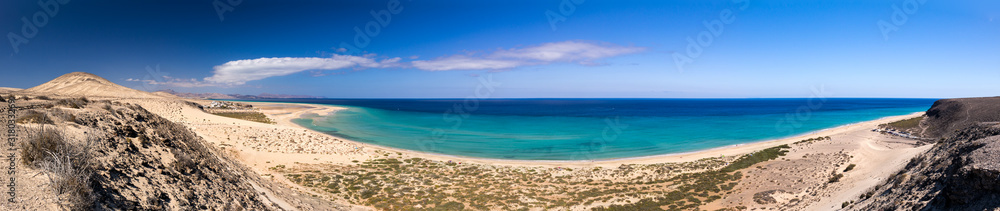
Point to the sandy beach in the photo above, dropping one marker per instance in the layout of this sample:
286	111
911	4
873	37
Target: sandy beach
283	113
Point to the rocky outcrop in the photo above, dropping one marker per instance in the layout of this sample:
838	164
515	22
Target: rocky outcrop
136	160
961	172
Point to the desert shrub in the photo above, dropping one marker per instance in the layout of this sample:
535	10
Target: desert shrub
67	167
450	206
70	178
38	148
183	163
849	167
43	98
34	117
835	178
62	115
73	103
756	157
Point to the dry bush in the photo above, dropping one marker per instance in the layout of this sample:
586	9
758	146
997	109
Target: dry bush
34	117
73	102
63	115
70	179
37	148
43	98
67	166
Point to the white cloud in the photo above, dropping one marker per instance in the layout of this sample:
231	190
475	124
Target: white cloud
241	71
459	62
580	52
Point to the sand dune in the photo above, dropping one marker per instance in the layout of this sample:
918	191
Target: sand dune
81	84
8	89
165	94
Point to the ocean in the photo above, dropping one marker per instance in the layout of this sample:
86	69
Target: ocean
587	129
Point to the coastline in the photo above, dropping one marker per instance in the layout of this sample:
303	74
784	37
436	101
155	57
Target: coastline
275	150
731	150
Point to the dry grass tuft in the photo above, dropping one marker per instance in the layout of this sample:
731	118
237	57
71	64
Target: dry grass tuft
34	117
74	103
66	165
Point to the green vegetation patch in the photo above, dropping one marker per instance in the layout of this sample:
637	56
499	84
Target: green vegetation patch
249	116
706	185
849	167
757	157
905	124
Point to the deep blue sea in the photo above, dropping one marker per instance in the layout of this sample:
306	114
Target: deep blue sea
585	129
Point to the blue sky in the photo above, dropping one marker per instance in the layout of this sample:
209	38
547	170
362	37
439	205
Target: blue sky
432	49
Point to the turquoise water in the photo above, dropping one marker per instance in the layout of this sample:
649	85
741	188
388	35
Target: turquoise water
585	129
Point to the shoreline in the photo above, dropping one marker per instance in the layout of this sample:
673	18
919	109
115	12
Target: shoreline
730	150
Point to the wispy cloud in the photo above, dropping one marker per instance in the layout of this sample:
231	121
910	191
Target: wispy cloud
461	62
241	71
581	52
175	82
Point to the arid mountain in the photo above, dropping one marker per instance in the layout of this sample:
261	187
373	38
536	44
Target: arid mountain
233	96
947	116
85	84
961	172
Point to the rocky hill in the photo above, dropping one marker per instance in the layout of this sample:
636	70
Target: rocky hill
947	116
961	172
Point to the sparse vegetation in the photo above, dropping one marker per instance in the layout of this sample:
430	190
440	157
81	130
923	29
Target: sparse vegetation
66	165
73	103
904	124
393	184
757	157
849	167
835	177
249	116
34	117
810	140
